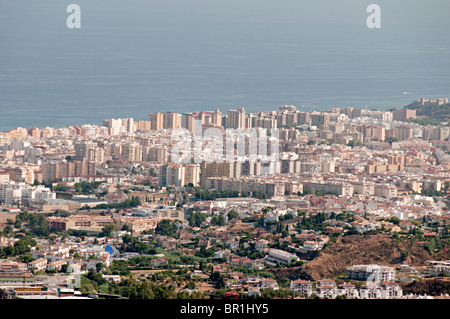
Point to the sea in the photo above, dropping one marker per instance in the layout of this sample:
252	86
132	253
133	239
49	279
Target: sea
130	58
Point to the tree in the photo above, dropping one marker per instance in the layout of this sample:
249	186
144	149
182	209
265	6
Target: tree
23	245
8	229
197	219
232	214
60	188
64	268
166	227
25	258
219	279
108	230
99	266
218	220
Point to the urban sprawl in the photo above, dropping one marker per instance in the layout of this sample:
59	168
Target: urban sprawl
238	205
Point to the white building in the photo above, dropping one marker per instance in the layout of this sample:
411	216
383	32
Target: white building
302	287
326	288
371	272
280	256
18	193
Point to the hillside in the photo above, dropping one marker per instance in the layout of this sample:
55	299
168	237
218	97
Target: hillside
432	110
358	249
428	286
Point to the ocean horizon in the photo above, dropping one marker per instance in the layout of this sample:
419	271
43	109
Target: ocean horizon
133	58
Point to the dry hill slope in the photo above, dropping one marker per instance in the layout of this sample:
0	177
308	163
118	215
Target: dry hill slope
358	249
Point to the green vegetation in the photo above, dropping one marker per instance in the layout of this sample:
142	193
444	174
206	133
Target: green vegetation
196	219
86	188
133	244
94	282
36	224
20	248
432	110
314	222
134	201
352	143
425	121
167	227
214	194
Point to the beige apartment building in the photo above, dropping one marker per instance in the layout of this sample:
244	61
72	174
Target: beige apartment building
167	120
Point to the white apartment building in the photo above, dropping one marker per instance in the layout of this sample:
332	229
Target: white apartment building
371	272
280	256
347	289
302	287
268	283
326	288
387	290
12	193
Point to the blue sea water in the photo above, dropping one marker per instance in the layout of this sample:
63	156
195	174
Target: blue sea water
134	57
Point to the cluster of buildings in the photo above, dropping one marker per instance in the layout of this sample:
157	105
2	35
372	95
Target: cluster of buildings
137	220
309	148
372	164
324	288
327	288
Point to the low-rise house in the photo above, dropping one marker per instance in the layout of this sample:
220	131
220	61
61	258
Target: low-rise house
112	278
56	265
251	281
261	244
391	290
406	225
326	291
186	239
234	260
347	289
246	262
253	291
91	264
38	264
74	268
326	288
370	290
233	244
333	229
169	245
268	283
222	254
159	262
365	227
